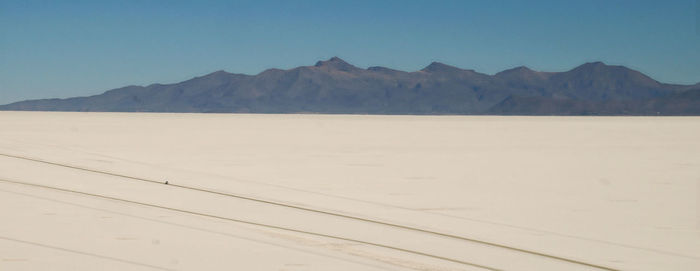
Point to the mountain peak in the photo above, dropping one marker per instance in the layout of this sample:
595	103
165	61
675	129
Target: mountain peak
600	76
604	70
219	72
440	67
383	69
516	70
522	68
335	63
595	63
600	67
522	74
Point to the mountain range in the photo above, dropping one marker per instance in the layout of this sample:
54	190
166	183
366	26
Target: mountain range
335	86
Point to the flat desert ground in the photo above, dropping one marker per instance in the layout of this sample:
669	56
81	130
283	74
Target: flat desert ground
86	191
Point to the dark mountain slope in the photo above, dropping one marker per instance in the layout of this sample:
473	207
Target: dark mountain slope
599	82
335	86
676	104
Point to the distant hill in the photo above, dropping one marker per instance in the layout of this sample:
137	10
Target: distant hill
334	86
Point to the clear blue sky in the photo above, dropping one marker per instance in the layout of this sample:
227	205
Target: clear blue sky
70	48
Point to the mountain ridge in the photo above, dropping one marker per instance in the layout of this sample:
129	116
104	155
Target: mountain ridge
336	86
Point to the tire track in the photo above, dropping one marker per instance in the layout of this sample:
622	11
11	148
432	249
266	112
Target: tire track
188	227
269	226
446	235
85	253
623	245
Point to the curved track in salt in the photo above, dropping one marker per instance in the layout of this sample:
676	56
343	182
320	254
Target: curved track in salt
252	223
457	237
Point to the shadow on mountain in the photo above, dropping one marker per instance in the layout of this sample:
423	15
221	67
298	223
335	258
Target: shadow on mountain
335	86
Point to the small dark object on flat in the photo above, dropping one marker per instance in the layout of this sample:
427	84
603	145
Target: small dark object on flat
166	182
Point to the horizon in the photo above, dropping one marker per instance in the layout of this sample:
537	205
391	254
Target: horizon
98	92
77	48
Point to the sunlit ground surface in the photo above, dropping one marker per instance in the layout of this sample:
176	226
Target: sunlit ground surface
617	192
